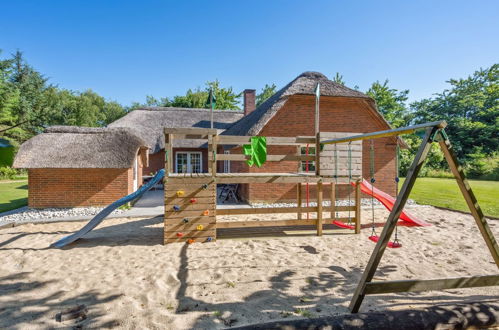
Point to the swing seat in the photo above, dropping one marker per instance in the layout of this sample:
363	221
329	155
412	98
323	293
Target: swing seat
343	225
391	245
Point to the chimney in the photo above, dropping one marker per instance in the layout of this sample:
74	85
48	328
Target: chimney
249	101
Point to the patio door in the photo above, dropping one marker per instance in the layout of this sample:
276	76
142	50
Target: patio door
188	162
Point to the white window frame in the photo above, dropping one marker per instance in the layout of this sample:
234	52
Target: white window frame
226	162
302	162
189	166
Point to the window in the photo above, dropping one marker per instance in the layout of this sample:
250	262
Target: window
188	162
311	163
226	163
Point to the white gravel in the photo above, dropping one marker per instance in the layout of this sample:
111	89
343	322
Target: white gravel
37	215
344	202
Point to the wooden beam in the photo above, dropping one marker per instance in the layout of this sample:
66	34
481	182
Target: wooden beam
266	210
274	223
169	157
332	208
469	197
433	284
270	158
269	178
387	133
391	222
271	140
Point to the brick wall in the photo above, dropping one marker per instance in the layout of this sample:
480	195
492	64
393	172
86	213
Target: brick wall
55	187
79	187
337	114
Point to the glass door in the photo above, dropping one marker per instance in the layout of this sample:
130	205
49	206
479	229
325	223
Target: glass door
188	162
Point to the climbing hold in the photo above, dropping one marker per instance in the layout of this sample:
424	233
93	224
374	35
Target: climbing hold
185	220
193	200
373	180
190	241
208	239
206	212
176	208
180	234
205	186
180	193
199	227
397	179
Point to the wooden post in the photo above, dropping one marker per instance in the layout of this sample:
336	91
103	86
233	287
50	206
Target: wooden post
212	151
391	222
169	159
469	197
357	207
319	208
299	199
333	200
318	153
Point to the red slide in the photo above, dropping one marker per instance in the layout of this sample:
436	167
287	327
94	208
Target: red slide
388	202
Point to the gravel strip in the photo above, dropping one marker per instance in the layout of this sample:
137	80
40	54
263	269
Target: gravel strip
41	215
343	202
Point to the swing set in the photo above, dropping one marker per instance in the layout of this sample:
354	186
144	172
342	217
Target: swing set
434	132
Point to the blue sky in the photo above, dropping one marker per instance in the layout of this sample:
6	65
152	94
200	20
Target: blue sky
125	50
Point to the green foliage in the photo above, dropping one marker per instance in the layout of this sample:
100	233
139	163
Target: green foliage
482	166
266	92
338	78
28	103
471	108
391	103
226	98
7	173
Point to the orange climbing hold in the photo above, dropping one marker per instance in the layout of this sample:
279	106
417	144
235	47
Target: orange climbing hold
190	241
180	234
206	212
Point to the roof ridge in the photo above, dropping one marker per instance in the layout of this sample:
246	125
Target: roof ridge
186	109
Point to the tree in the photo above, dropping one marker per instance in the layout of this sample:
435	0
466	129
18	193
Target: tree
391	103
197	98
266	92
338	78
471	108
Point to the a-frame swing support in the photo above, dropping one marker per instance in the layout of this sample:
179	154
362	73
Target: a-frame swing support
434	132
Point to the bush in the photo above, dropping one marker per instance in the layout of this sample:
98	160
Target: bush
481	166
9	173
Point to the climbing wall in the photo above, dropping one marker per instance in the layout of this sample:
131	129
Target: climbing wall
190	210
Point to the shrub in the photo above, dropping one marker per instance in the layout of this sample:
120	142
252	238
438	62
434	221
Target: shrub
9	173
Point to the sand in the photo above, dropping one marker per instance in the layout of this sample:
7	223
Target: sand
126	278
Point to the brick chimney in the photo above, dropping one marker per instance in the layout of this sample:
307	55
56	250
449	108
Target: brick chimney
249	101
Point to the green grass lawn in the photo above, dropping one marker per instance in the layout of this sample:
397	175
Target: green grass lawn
13	194
446	193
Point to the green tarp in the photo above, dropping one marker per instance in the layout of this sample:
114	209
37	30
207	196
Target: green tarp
257	150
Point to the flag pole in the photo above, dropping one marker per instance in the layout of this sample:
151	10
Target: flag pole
211	106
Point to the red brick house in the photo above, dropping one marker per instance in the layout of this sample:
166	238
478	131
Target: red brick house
81	166
78	166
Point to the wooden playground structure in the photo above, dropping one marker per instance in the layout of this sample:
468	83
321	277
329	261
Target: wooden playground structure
190	200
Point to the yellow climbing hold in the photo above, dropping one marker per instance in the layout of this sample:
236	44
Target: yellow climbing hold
199	227
180	193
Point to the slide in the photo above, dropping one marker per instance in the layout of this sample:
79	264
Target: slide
107	210
388	202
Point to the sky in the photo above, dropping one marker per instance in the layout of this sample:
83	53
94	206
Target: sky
125	50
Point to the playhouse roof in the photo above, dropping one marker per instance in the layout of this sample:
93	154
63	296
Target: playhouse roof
304	84
148	123
80	147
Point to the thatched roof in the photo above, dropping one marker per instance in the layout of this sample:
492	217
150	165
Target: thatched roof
149	123
304	84
80	147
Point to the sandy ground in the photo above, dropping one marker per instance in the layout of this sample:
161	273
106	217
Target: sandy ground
128	279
